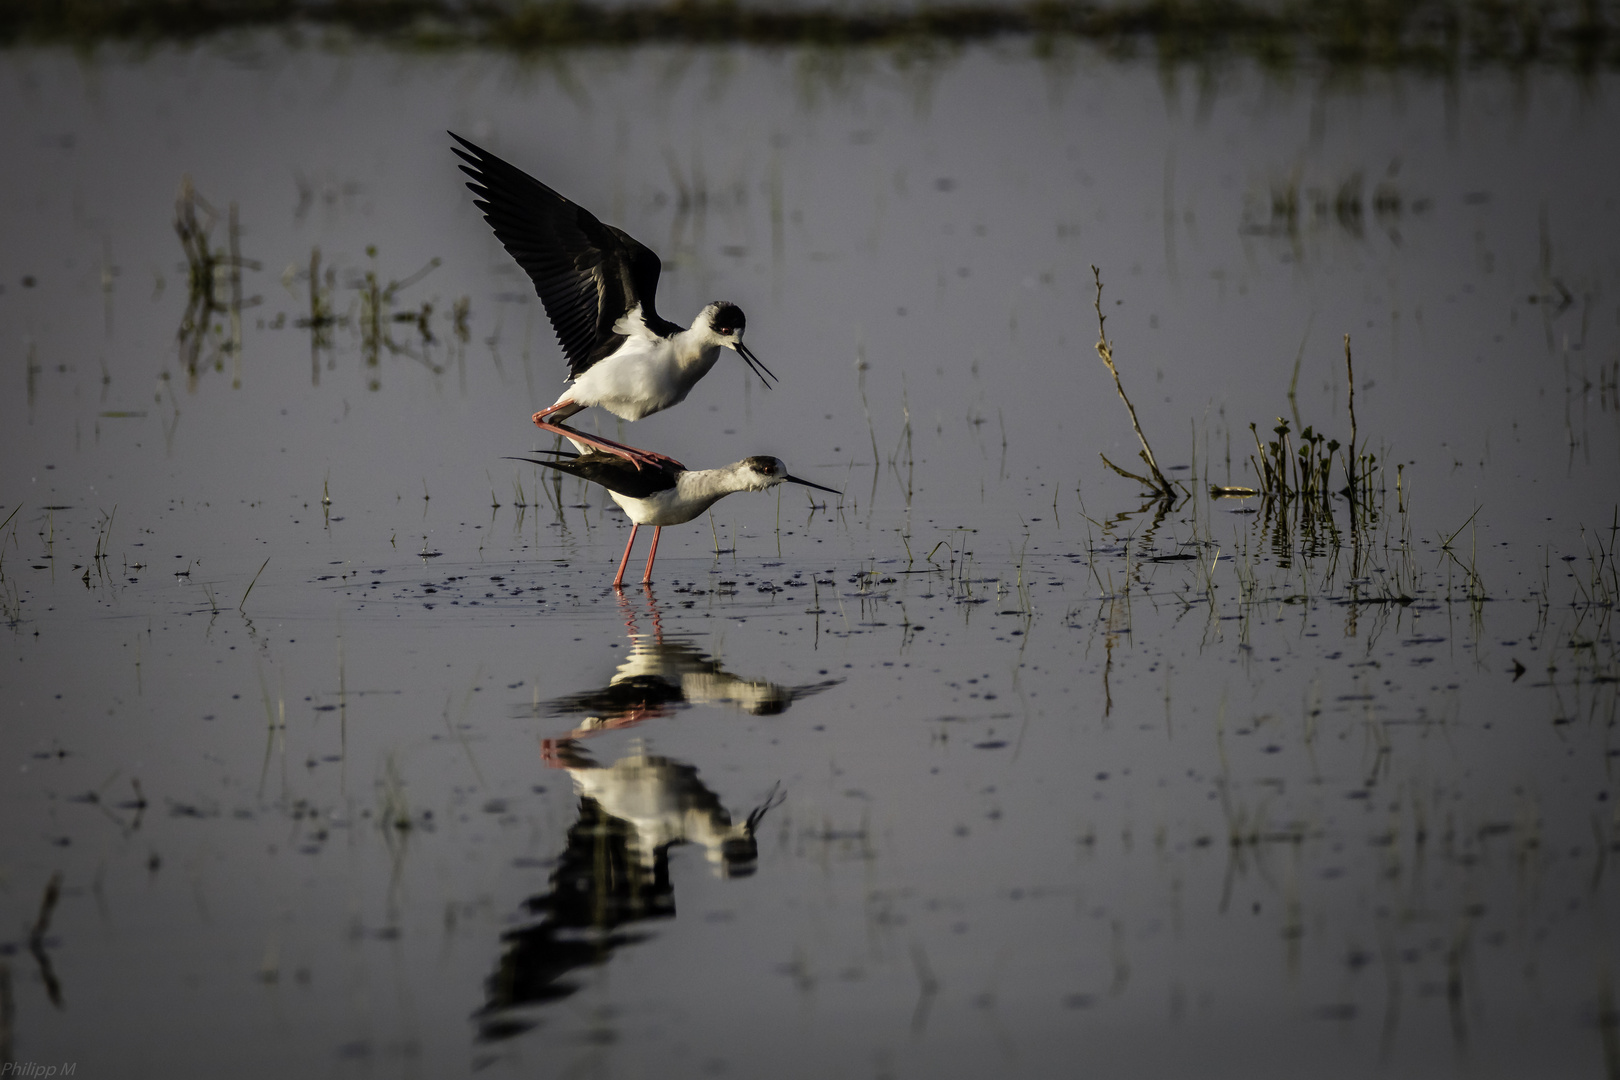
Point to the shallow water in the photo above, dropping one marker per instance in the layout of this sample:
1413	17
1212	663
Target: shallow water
395	783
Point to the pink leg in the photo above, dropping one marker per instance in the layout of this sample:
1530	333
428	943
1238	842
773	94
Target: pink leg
629	616
651	555
618	579
636	457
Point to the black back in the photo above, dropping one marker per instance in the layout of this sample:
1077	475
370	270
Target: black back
587	274
615	473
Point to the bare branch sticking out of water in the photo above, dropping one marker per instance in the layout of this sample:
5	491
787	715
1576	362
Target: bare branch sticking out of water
1158	483
1126	473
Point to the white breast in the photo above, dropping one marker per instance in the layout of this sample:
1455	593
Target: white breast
648	373
634	382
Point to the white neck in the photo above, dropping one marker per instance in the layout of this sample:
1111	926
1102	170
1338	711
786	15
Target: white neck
696	347
708	485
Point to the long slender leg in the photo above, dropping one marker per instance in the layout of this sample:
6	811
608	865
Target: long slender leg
618	578
629	453
651	555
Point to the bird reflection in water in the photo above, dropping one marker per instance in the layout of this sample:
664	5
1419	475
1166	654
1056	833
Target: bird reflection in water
613	875
614	872
662	674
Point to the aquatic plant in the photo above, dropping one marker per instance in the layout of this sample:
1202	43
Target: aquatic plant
377	315
213	283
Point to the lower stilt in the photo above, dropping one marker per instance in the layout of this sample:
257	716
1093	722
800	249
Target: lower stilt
651	555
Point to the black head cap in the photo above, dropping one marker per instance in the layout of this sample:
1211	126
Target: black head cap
739	856
728	317
766	465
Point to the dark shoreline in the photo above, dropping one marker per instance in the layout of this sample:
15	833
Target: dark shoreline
1437	36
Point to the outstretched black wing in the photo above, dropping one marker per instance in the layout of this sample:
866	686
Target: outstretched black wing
588	274
613	472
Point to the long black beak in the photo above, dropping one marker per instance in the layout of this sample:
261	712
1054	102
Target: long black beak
759	368
806	483
555	453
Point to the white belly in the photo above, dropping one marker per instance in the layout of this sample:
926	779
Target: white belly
645	376
666	508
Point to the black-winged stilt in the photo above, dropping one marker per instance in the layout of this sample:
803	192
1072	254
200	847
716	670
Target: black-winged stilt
598	285
668	494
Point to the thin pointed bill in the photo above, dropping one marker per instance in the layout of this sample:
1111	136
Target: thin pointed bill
806	483
759	368
532	461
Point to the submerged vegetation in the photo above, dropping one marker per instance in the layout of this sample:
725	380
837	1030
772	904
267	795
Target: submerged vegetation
214	287
1322	519
1332	529
1436	35
1304	471
213	284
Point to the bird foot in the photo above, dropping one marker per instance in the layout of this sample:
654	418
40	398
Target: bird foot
640	458
652	457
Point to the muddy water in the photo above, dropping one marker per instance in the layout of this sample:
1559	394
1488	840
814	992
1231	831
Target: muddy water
328	747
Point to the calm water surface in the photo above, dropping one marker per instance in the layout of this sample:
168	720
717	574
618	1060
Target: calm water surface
327	747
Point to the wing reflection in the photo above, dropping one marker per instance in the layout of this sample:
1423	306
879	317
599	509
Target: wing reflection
613	874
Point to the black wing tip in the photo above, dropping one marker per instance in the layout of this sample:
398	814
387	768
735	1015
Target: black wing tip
473	164
477	159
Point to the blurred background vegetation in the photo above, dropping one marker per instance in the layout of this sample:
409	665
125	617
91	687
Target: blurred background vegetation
1432	35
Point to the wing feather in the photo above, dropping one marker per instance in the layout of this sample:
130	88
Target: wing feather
588	274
